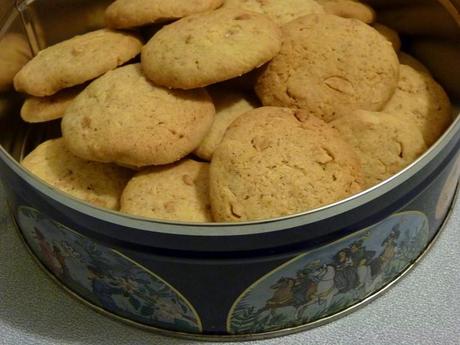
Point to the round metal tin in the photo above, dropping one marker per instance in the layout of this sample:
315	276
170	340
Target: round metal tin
218	281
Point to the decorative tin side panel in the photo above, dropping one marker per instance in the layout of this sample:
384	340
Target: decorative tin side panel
105	277
325	281
446	195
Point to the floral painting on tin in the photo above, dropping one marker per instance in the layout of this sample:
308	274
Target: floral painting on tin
105	277
326	281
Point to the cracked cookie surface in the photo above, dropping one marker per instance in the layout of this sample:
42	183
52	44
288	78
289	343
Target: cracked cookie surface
275	162
210	47
328	65
176	192
124	118
385	143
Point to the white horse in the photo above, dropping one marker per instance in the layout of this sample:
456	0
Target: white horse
325	288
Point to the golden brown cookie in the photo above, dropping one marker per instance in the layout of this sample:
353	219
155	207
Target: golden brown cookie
14	54
42	109
210	47
275	162
99	184
122	14
126	119
385	143
317	72
421	100
177	192
406	59
281	12
75	61
229	105
349	9
390	34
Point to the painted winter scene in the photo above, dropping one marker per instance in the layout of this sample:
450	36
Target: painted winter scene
448	191
326	281
105	277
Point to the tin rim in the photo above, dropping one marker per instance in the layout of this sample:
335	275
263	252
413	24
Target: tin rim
245	337
241	228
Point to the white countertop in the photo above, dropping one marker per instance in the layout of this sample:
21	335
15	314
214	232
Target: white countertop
423	308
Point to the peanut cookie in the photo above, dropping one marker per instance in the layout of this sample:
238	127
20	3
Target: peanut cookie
406	59
124	118
123	14
385	143
75	61
99	184
275	162
210	47
14	54
42	109
421	100
349	9
229	105
317	72
281	12
175	192
390	34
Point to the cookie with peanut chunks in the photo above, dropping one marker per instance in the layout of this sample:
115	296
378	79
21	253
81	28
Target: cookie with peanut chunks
174	192
422	101
124	118
96	183
317	72
276	162
14	53
229	106
385	143
42	109
281	12
349	9
75	61
210	47
123	14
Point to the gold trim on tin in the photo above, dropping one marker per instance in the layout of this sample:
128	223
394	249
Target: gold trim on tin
246	337
297	258
192	308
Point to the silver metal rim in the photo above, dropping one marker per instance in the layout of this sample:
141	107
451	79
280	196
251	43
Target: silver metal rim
247	337
234	229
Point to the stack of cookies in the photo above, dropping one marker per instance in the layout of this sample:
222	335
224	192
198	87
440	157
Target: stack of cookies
234	110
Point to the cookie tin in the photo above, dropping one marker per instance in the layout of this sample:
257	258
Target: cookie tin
219	281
